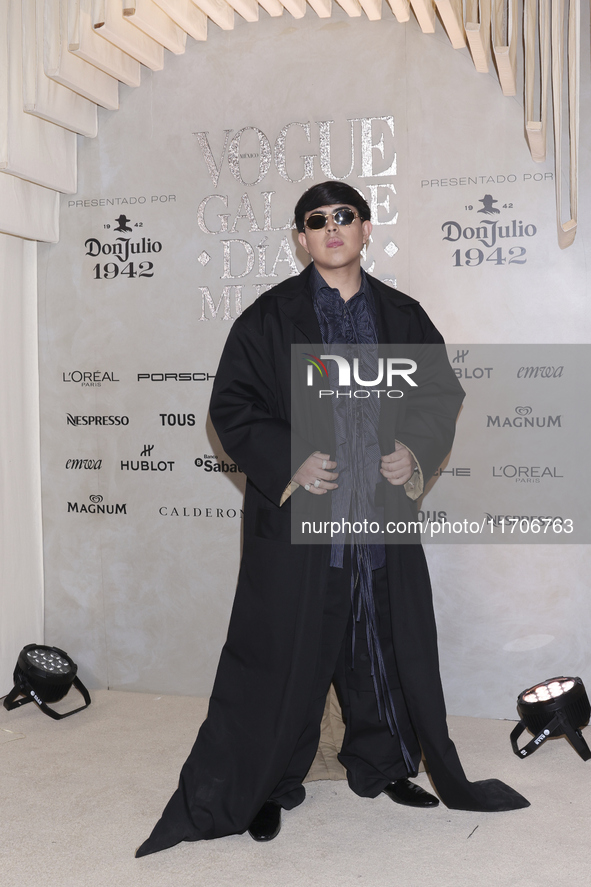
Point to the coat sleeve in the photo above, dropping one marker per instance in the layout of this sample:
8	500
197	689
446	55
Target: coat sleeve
250	407
429	419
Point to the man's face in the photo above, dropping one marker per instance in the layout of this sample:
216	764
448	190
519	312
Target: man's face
335	247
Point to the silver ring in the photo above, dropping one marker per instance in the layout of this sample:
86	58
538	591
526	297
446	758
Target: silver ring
317	483
307	488
324	464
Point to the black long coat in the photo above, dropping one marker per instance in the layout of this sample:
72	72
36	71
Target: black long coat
266	673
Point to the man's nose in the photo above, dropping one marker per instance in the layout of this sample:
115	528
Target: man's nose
331	224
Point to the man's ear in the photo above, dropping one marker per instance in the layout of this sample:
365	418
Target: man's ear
303	242
367	228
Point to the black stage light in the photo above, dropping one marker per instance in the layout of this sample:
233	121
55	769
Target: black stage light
557	707
44	674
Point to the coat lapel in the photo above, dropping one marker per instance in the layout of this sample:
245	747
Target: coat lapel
296	303
393	320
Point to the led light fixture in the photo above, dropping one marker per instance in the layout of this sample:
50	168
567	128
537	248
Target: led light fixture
557	707
44	674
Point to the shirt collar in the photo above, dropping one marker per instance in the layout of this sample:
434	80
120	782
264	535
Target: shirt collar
318	284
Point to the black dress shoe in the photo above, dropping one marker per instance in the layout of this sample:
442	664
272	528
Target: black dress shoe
267	823
403	791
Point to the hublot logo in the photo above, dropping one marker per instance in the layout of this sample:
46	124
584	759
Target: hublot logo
145	464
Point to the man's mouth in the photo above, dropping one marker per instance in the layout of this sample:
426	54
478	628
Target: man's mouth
334	242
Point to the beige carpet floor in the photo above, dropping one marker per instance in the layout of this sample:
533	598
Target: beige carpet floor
78	796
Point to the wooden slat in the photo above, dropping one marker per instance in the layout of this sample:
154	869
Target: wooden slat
477	25
372	9
84	42
322	8
187	17
351	7
219	12
566	230
425	13
151	20
42	96
109	22
296	8
28	210
401	9
505	51
31	148
68	69
248	9
451	12
535	129
273	7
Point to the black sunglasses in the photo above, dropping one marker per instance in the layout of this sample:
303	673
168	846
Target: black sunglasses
343	216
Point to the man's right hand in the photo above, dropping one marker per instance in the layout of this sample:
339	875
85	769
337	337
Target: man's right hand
316	475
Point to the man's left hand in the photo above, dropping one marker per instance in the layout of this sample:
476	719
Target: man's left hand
399	466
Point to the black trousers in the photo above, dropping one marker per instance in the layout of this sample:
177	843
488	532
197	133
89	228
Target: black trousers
371	755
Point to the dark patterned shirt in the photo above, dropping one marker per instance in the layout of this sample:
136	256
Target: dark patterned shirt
355	420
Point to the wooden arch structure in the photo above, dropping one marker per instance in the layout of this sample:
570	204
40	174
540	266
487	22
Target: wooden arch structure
60	59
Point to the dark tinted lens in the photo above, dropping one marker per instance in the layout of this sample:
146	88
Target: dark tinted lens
344	216
316	221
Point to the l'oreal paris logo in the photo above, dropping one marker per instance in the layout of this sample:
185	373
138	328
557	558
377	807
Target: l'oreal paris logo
388	368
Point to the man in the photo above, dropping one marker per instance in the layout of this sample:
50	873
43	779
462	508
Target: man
305	615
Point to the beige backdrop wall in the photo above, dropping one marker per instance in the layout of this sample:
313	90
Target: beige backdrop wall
198	173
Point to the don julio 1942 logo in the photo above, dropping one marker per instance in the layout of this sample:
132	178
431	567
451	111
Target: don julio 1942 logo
494	234
118	256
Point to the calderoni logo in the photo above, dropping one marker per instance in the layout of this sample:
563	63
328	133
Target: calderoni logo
176	377
96	420
388	369
84	464
205	511
524	419
89	379
96	506
215	465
